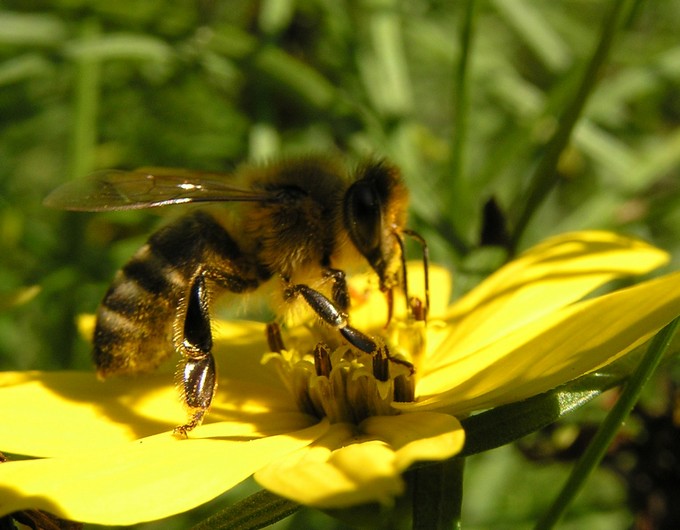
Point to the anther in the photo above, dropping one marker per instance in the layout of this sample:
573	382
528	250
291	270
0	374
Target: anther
381	365
274	339
322	360
418	309
404	391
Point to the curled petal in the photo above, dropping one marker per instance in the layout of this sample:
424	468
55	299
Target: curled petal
552	350
349	467
315	477
556	273
418	437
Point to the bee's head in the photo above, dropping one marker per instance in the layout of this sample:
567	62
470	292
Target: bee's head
374	212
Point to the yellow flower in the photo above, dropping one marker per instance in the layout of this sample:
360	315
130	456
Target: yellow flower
329	427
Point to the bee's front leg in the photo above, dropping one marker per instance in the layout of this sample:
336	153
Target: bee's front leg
328	311
340	292
196	374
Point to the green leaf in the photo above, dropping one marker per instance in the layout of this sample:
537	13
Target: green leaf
532	27
285	71
23	67
259	510
437	494
505	424
545	176
598	446
127	46
35	29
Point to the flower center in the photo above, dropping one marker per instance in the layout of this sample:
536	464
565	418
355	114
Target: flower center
343	383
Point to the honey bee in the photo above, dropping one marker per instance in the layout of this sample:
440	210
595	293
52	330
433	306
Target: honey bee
298	224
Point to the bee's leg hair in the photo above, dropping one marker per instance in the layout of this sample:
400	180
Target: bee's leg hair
197	373
327	311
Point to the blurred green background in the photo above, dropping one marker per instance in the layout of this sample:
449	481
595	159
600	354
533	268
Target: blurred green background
208	85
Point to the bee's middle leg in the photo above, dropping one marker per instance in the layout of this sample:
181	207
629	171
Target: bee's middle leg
197	375
328	311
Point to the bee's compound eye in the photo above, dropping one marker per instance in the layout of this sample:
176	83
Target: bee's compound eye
363	216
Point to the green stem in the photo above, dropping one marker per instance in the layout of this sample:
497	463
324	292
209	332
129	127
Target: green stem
546	177
86	102
278	68
460	100
83	139
597	448
438	495
459	194
394	93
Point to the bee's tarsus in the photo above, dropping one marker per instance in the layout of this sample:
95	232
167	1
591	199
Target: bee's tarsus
320	304
333	316
199	381
358	339
182	431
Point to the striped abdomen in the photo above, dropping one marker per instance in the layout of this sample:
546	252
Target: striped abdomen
141	316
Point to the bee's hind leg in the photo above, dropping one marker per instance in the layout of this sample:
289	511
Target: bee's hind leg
196	374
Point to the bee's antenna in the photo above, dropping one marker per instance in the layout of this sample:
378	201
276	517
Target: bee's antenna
426	264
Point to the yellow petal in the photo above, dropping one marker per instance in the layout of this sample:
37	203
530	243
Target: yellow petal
351	466
419	436
551	350
149	479
315	477
547	277
59	413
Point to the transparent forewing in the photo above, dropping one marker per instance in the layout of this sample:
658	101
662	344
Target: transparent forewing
112	189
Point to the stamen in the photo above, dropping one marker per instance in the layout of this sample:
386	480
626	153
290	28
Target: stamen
352	382
381	364
274	338
404	389
322	360
418	309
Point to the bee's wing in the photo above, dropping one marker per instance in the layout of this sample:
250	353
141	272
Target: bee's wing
112	189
